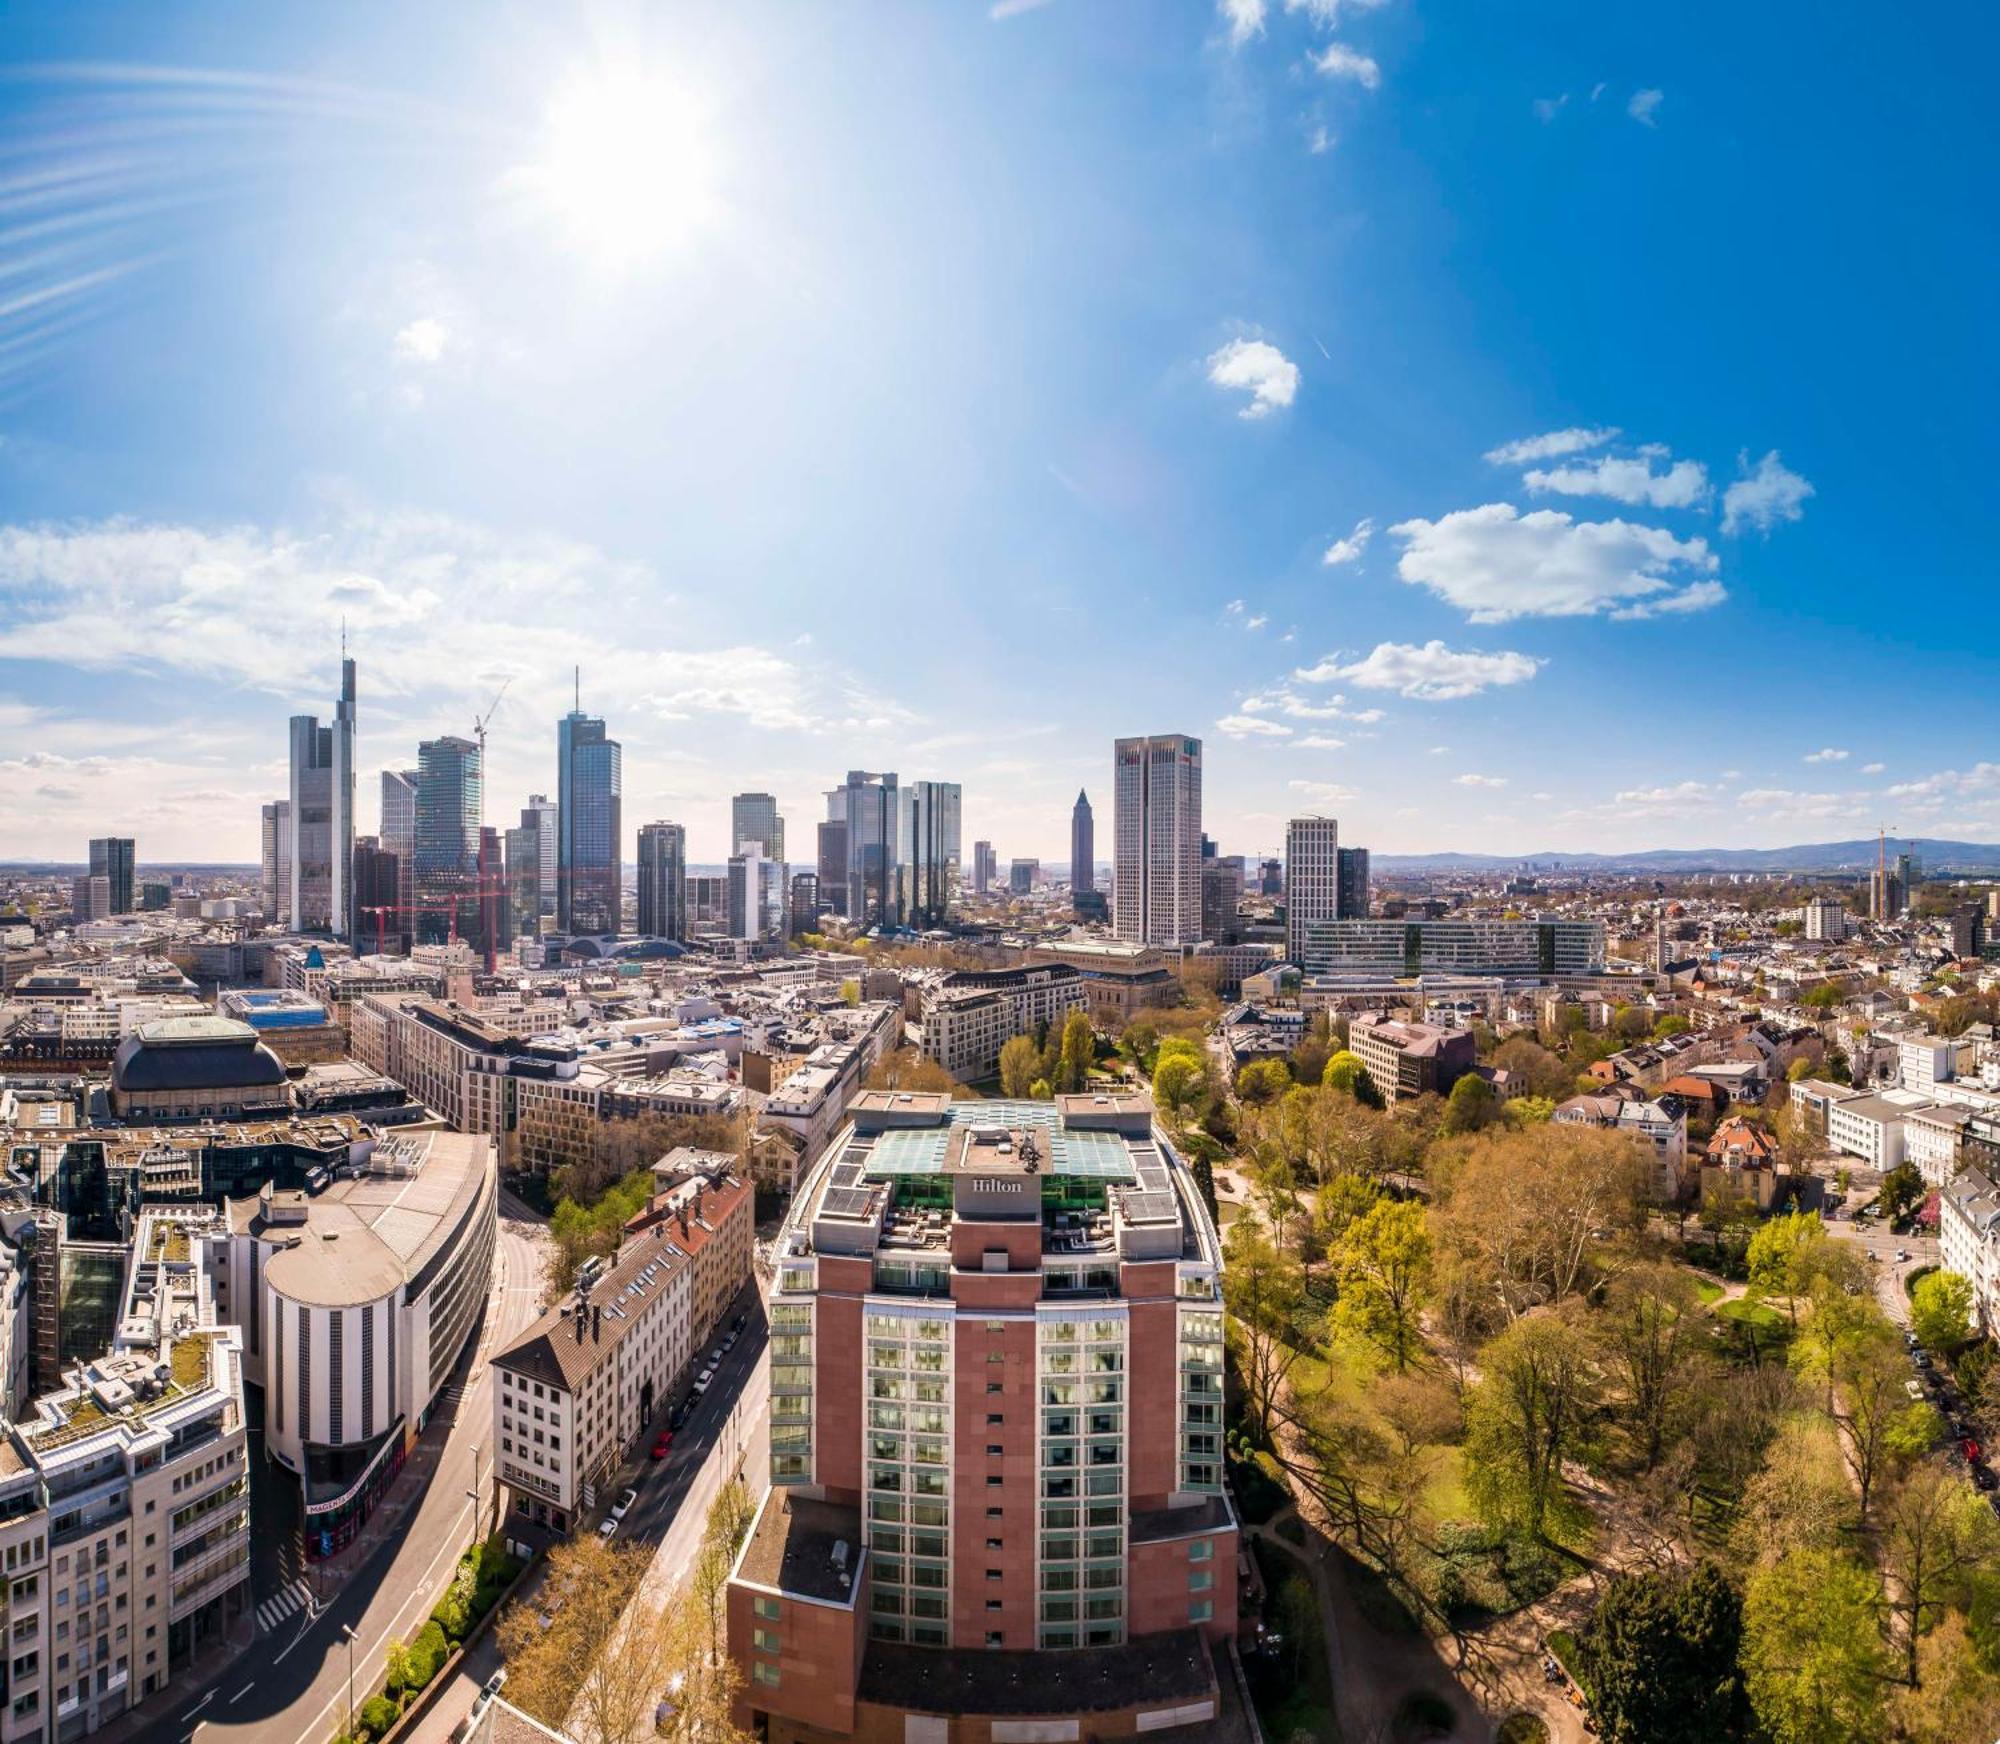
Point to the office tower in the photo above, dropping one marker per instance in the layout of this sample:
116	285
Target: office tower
805	903
523	852
1909	881
549	831
985	867
451	788
276	894
377	893
997	1376
112	858
496	926
1023	876
833	866
707	900
1221	898
1156	863
1082	846
398	836
589	782
753	817
1352	898
90	898
1312	878
663	881
758	897
1271	878
1968	930
868	806
321	848
153	898
927	849
1993	905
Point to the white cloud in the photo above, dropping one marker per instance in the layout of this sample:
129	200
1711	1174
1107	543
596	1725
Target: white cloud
1326	13
1597	90
1827	755
1245	19
1259	368
1495	563
1763	497
1678	799
1234	608
1256	623
1288	702
1321	792
1777	803
1338	61
1982	779
424	340
1252	727
1319	143
1644	106
1349	550
1552	445
1001	9
1684	485
1440	751
1697	598
1318	742
1471	780
1548	108
1430	673
1873	768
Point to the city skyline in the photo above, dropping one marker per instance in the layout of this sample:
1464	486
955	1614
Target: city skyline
1382	440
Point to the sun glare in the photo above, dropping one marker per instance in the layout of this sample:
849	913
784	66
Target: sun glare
622	167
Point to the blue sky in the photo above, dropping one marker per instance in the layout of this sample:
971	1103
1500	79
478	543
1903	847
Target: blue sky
1550	426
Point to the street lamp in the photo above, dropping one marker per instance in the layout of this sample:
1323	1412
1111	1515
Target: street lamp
347	1635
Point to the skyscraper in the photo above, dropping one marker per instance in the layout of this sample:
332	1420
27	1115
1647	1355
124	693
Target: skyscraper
451	789
867	805
528	846
805	903
549	832
985	868
112	858
927	849
1082	846
753	817
663	881
377	880
321	846
496	916
832	892
276	883
1156	863
1312	879
1353	899
758	897
589	784
397	833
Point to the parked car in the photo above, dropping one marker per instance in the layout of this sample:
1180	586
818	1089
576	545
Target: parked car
608	1528
625	1500
729	1343
1971	1448
678	1415
736	1325
662	1442
701	1385
1983	1477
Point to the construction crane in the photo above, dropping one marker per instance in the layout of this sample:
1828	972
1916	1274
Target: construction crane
488	893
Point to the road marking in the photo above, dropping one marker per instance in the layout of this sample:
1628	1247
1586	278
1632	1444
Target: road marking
293	1597
244	1691
197	1708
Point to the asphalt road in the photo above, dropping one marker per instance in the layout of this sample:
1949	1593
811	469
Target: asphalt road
292	1686
1874	1239
727	1429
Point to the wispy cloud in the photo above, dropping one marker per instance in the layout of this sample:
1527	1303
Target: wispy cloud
1645	106
1349	549
1827	755
1427	672
1683	485
1338	61
1763	495
1552	445
1252	727
1470	780
1245	19
1258	368
1548	108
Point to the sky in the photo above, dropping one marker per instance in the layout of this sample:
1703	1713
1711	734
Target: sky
1552	426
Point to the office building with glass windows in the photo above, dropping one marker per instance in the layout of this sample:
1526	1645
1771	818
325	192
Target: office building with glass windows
663	881
589	810
996	1433
451	797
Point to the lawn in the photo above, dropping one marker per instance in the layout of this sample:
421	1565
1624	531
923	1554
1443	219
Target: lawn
1708	1290
1753	1331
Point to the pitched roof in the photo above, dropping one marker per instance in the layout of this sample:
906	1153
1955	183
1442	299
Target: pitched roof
552	1351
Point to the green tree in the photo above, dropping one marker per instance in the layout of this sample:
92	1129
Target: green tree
1781	1256
1941	1310
1956	1696
1178	1085
1901	1192
1659	1658
1937	1533
1532	1070
1528	1414
1264	1291
1471	1106
1079	1049
1813	1660
1383	1263
1525	1111
1653	1335
1263	1081
1345	1072
1882	1428
1020	1063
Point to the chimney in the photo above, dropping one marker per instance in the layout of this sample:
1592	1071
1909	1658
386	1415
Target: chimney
597	1326
579	1322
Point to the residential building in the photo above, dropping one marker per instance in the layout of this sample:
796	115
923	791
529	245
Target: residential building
1156	865
833	865
997	1505
451	792
967	1016
1934	1141
1312	879
590	830
1825	920
1351	896
1969	1241
320	848
1082	846
710	1213
663	881
113	858
753	817
809	1106
573	1393
1661	1127
1410	1059
928	852
275	869
1386	949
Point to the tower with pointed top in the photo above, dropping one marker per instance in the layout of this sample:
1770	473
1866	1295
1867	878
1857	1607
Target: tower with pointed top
1082	846
589	808
319	833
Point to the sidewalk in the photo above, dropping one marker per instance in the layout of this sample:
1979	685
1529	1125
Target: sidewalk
193	1685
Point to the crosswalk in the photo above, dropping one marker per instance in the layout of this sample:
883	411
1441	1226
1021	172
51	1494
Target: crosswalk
293	1597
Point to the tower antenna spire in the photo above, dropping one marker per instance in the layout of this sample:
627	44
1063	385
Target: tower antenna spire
578	704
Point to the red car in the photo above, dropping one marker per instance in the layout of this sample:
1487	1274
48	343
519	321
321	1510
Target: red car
665	1441
1971	1449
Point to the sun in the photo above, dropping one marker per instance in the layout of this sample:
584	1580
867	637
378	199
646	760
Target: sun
622	168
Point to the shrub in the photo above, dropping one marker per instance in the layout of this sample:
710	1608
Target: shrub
427	1653
377	1715
1424	1715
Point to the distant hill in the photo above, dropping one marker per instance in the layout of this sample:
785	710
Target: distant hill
1938	857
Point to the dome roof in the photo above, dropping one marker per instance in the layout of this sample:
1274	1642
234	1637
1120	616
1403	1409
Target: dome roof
194	1053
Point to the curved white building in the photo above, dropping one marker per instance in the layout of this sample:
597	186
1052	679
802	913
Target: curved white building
356	1302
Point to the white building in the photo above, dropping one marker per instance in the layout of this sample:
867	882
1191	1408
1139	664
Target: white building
1312	879
1931	1140
1156	864
1925	1061
968	1017
1826	920
1871	1127
1663	1130
1969	1241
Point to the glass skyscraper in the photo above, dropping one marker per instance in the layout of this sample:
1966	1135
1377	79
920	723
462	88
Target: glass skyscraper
450	802
663	881
589	786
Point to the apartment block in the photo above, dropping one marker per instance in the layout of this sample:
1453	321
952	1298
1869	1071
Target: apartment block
1410	1059
968	1016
